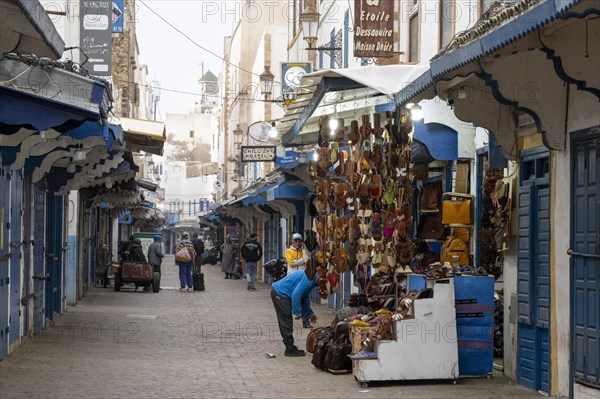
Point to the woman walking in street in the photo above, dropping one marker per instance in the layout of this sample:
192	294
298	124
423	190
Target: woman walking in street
228	259
185	264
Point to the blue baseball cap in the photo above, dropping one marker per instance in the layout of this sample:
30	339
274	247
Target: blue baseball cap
157	237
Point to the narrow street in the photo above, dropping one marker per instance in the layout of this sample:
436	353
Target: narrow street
193	344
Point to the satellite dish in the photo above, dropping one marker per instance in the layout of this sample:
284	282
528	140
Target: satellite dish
218	185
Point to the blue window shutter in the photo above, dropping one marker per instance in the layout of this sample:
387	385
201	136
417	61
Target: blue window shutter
524	256
346	36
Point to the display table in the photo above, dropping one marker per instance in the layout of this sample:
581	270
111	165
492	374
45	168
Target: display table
425	346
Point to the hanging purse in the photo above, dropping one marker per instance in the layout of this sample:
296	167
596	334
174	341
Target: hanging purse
456	211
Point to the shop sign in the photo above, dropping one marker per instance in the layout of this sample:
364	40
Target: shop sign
290	160
253	153
292	73
373	28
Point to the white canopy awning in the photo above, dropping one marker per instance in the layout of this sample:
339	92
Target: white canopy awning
341	93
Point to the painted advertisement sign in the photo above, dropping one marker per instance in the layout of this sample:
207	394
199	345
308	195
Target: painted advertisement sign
373	28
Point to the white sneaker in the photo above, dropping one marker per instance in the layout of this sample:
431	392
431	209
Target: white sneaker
182	289
190	289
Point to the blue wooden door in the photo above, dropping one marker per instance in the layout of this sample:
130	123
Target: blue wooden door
16	204
54	222
39	258
533	274
4	253
585	264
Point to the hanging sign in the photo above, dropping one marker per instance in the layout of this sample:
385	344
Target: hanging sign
292	73
252	153
373	28
291	160
96	36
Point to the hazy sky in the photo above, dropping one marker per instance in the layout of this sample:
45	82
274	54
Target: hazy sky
171	58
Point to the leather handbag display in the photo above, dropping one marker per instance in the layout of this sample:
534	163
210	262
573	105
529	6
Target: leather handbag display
430	227
456	211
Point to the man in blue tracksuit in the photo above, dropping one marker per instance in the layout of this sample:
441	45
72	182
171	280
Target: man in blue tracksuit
290	297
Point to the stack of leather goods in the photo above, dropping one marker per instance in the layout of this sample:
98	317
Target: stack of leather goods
363	201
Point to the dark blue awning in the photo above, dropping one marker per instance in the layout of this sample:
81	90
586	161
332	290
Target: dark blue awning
530	21
440	140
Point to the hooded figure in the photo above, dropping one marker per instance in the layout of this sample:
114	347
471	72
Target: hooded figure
136	253
228	260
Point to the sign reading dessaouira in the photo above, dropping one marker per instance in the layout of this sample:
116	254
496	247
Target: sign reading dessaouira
251	153
373	28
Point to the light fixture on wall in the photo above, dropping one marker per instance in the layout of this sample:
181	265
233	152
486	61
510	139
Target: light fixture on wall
266	84
79	154
43	134
309	18
71	168
462	93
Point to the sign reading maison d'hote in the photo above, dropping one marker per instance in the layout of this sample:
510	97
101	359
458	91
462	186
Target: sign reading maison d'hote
252	153
373	28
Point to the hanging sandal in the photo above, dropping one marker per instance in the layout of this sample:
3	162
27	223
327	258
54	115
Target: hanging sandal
354	135
376	226
354	233
340	229
390	192
376	188
388	227
390	254
365	129
340	132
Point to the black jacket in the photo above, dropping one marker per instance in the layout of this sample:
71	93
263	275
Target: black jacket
251	251
198	246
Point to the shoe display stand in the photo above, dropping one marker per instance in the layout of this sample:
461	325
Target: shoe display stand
425	347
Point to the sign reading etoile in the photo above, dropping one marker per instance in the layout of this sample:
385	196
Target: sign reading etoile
373	28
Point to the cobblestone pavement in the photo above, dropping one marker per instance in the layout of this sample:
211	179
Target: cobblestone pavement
193	344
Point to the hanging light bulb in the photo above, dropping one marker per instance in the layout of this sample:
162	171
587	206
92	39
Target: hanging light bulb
273	131
416	112
462	93
70	168
333	124
43	134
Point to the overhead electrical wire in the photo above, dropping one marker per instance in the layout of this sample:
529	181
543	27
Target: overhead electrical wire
195	43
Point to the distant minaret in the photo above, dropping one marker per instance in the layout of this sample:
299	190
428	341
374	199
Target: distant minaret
209	87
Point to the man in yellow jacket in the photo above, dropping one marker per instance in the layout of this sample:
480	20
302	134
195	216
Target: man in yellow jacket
296	256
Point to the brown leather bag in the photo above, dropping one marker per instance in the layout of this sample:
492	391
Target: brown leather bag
311	339
430	227
430	199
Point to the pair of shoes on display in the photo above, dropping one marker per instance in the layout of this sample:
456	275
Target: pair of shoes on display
294	352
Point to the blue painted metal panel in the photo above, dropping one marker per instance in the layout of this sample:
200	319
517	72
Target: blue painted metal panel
54	224
346	37
4	270
39	258
524	256
16	201
440	140
585	238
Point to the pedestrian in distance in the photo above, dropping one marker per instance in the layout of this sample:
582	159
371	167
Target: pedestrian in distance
296	256
185	266
156	253
135	251
228	258
251	253
199	248
291	300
